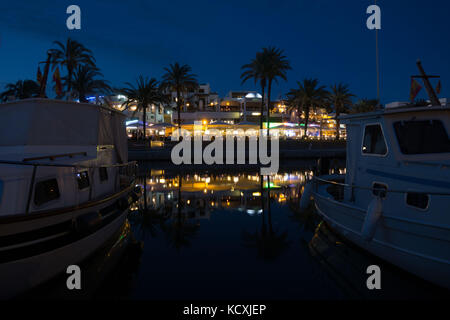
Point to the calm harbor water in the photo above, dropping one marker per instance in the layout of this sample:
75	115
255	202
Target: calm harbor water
228	234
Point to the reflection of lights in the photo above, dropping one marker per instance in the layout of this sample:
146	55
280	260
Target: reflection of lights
256	194
236	179
251	212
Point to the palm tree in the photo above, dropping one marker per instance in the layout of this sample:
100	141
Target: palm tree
255	70
341	100
22	89
178	78
309	95
71	56
365	105
145	93
84	82
275	66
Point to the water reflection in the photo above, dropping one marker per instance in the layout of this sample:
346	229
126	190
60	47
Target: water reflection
214	235
174	205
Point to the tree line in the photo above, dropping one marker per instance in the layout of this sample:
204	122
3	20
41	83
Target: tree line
83	78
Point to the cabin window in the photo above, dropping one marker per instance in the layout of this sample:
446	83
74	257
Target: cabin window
418	200
46	191
83	180
103	172
374	142
422	137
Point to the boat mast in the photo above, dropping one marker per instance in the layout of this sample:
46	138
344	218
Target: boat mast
377	63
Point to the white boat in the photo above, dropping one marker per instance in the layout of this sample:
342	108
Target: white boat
65	187
394	199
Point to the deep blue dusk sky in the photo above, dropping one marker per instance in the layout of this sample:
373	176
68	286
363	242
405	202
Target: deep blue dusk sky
324	39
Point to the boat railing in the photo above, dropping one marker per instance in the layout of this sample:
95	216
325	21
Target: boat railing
376	190
124	176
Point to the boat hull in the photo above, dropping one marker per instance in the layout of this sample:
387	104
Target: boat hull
20	275
394	240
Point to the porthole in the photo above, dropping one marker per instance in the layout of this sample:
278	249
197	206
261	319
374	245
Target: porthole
46	191
418	200
83	180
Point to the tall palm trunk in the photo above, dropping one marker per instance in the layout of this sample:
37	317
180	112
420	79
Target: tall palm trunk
179	108
306	120
261	120
69	83
338	124
269	89
320	128
144	118
299	115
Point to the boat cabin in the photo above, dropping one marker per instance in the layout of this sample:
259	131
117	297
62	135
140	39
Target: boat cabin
404	149
57	153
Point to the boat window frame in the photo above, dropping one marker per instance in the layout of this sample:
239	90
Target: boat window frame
419	154
78	183
414	207
384	138
51	200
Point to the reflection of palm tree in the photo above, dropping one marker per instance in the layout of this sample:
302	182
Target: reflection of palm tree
269	244
180	230
306	219
147	222
147	219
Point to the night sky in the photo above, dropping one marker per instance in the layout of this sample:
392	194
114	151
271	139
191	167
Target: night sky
324	39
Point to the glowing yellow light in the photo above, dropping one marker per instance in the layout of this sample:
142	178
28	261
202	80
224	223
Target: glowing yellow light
256	194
